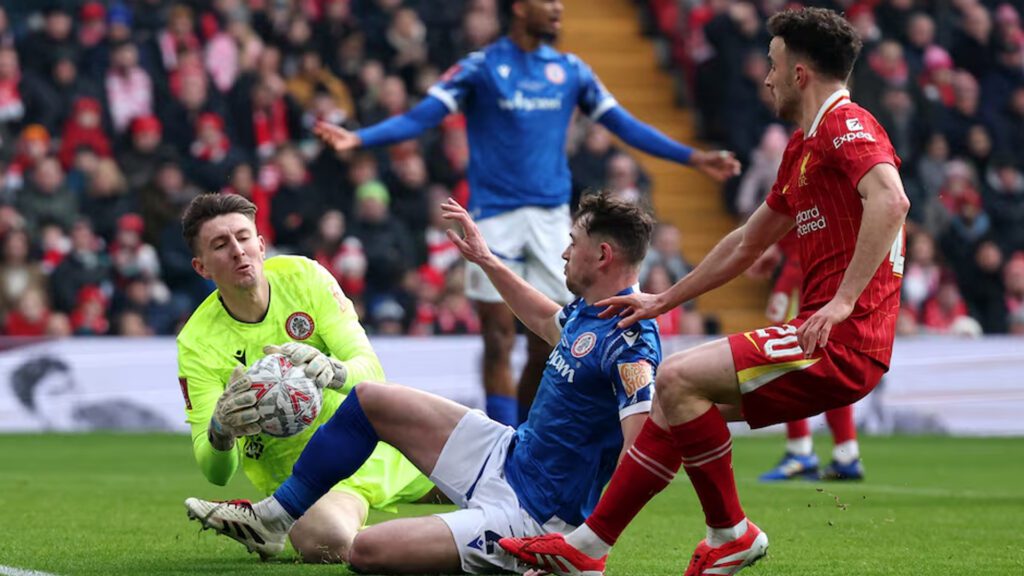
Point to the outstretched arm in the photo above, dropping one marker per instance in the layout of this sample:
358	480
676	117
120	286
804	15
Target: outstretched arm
733	254
422	116
534	309
718	164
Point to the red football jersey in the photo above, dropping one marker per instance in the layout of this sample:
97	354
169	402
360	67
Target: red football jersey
817	186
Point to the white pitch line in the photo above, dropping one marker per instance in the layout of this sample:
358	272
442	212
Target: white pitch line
853	489
12	571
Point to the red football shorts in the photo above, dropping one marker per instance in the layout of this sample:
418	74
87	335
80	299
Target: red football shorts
779	385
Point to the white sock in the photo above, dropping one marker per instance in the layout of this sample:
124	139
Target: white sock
584	540
846	452
720	536
273	515
802	446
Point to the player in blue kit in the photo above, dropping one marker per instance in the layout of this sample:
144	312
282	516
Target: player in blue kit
546	476
519	95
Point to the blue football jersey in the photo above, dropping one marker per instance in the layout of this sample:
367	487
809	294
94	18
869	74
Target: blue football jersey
566	451
518	106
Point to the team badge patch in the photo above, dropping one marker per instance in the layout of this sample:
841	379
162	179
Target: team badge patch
299	326
555	73
584	344
635	375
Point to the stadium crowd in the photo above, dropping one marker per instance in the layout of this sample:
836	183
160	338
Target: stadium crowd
113	115
946	80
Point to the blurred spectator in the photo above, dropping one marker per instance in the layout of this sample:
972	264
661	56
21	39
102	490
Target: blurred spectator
85	266
55	245
759	177
178	36
129	88
312	77
922	274
442	254
243	182
18	273
944	309
340	253
936	80
159	313
386	240
268	119
212	158
163	200
12	105
1013	277
666	251
130	323
46	198
590	160
50	98
131	257
89	317
982	288
33	145
969	226
678	320
931	177
1004	200
30	316
84	129
294	205
106	199
624	179
409	196
920	36
973	48
145	153
53	39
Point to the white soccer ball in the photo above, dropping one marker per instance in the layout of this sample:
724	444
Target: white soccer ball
288	401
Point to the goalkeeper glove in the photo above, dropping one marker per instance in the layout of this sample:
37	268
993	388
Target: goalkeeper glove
235	414
325	371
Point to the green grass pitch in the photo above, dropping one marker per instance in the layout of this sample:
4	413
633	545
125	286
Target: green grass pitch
112	505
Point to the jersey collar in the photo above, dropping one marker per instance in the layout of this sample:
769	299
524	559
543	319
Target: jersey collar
838	98
544	51
591	310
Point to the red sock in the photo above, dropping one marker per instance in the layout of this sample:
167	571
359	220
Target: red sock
798	429
646	469
840	421
706	447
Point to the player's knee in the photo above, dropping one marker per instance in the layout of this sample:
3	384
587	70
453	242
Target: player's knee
325	544
672	382
368	553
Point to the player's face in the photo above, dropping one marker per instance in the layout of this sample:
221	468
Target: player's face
230	252
581	258
780	81
543	18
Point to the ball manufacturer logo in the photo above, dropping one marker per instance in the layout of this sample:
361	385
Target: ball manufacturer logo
555	73
299	326
584	344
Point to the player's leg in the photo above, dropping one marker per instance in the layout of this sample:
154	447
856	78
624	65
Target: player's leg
427	547
504	236
414	422
498	328
846	464
325	533
799	461
547	235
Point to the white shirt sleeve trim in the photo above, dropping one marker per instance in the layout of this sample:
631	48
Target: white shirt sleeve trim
605	105
638	408
444	97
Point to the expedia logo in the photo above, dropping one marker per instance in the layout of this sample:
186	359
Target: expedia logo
529	103
850	137
808	221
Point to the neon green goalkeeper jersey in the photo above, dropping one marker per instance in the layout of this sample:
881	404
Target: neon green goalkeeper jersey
306	305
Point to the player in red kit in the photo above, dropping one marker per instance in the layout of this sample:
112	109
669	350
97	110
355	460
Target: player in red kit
839	188
800	461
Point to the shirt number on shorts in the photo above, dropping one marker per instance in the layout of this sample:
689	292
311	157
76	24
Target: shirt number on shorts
897	254
784	344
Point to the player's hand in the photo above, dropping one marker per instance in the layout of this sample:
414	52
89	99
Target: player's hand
814	333
719	164
325	371
235	414
471	244
631	307
336	137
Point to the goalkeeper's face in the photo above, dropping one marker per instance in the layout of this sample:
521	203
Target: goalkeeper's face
230	252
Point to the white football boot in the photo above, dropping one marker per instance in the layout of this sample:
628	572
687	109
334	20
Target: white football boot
237	519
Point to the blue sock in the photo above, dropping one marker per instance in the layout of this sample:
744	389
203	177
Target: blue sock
504	409
335	452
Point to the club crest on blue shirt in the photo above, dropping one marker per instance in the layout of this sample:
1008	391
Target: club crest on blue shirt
299	326
584	344
555	73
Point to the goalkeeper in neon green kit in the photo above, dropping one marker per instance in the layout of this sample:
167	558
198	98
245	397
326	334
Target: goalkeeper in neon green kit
296	307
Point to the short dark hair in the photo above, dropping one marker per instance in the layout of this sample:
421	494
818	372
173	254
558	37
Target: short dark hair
206	207
821	36
625	224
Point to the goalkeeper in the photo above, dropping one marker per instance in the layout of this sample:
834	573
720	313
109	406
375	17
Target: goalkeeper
290	300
